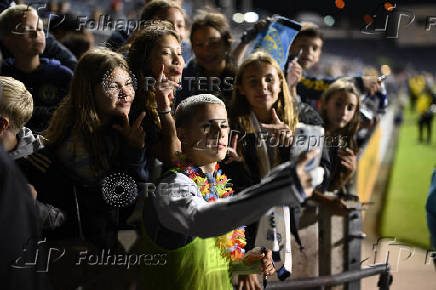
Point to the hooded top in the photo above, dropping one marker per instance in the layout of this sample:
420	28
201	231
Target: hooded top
27	144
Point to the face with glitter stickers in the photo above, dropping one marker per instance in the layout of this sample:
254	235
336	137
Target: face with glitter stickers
115	94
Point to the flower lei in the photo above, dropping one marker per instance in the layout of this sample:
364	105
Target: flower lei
231	244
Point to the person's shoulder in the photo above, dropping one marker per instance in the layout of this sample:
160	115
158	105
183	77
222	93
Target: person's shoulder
176	185
54	66
40	160
191	67
308	115
5	161
8	62
28	143
115	41
175	178
326	79
119	36
7	66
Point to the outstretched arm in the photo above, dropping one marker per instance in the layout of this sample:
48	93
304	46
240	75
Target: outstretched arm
182	209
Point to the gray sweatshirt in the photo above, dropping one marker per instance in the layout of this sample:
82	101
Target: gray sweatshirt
27	144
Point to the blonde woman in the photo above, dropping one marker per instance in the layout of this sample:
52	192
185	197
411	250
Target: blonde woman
265	115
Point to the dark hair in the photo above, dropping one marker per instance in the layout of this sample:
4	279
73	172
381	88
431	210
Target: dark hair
309	29
77	43
138	57
215	20
142	43
67	23
78	111
156	6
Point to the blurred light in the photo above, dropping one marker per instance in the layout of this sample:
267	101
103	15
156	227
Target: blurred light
329	20
367	18
310	17
251	17
340	4
385	69
389	7
238	17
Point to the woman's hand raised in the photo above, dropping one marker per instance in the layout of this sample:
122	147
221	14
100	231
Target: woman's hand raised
164	89
135	134
279	130
232	152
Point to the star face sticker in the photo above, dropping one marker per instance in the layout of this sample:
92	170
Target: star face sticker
111	88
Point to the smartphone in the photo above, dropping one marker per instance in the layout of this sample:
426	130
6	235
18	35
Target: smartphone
308	138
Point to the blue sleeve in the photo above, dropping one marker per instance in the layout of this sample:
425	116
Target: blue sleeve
67	73
312	88
431	210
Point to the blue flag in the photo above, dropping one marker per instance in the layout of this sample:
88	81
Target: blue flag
277	39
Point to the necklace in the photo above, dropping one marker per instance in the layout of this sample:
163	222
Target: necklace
231	244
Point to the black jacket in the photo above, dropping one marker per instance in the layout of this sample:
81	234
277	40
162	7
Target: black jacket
88	216
19	230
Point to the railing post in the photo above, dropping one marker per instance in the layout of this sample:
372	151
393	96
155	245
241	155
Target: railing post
354	237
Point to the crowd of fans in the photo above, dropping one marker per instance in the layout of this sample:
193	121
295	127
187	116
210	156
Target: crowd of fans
175	102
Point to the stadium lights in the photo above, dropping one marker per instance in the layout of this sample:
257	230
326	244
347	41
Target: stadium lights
251	17
238	17
329	20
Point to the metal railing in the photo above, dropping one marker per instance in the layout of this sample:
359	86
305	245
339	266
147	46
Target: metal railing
385	279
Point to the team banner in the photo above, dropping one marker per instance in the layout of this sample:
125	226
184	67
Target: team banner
277	39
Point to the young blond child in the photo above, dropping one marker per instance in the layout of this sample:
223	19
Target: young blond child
16	109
